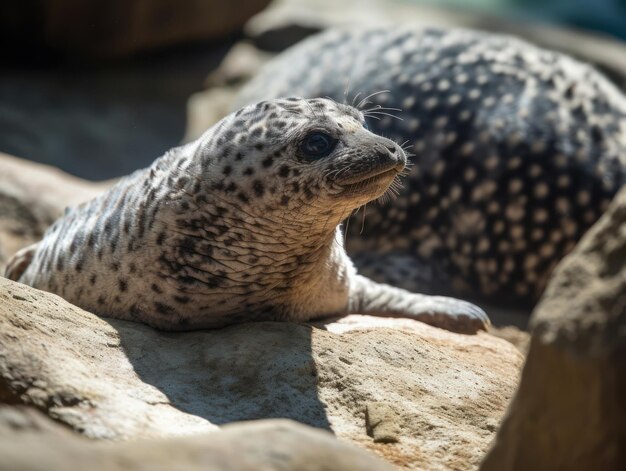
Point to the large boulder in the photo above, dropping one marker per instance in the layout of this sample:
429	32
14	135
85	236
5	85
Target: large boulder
570	409
419	396
29	441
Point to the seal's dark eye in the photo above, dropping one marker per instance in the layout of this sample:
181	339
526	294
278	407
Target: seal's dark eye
318	144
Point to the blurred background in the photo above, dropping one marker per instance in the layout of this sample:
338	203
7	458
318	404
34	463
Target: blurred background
102	88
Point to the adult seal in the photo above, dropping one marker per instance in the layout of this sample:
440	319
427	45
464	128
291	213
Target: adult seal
240	225
516	150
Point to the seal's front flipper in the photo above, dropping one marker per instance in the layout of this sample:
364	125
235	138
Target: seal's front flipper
19	262
376	299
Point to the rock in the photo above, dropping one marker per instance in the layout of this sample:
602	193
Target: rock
32	196
119	28
570	409
206	108
31	442
382	422
518	337
120	380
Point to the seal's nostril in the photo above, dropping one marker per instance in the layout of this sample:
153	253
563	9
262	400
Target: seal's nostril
391	149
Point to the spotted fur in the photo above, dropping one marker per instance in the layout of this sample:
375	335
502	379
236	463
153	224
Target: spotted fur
240	225
517	151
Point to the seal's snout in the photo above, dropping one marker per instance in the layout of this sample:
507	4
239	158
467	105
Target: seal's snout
391	155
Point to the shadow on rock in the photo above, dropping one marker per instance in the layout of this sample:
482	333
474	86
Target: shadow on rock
255	371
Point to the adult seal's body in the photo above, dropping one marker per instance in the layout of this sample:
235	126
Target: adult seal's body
517	151
240	225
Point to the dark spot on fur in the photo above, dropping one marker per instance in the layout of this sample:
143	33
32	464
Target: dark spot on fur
163	308
154	287
181	182
122	284
160	238
258	188
267	162
283	171
91	240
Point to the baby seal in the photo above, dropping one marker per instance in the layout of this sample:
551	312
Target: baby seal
240	225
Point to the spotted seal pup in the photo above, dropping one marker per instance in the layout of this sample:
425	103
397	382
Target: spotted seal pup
517	151
240	225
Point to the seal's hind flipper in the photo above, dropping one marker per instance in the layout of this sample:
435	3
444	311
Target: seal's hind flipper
19	262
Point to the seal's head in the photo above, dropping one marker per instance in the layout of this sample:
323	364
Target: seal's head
286	155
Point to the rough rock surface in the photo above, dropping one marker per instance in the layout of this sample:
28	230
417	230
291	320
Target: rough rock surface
32	196
121	380
570	409
29	441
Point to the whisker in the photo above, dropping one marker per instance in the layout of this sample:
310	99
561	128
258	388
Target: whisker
383	113
363	220
370	96
383	108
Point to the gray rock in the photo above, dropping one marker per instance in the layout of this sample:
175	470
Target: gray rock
29	441
121	380
570	409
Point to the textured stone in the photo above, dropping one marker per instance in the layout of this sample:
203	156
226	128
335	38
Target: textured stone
122	380
382	423
29	441
207	107
570	409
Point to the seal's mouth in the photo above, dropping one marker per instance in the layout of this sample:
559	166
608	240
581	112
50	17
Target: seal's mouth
377	175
